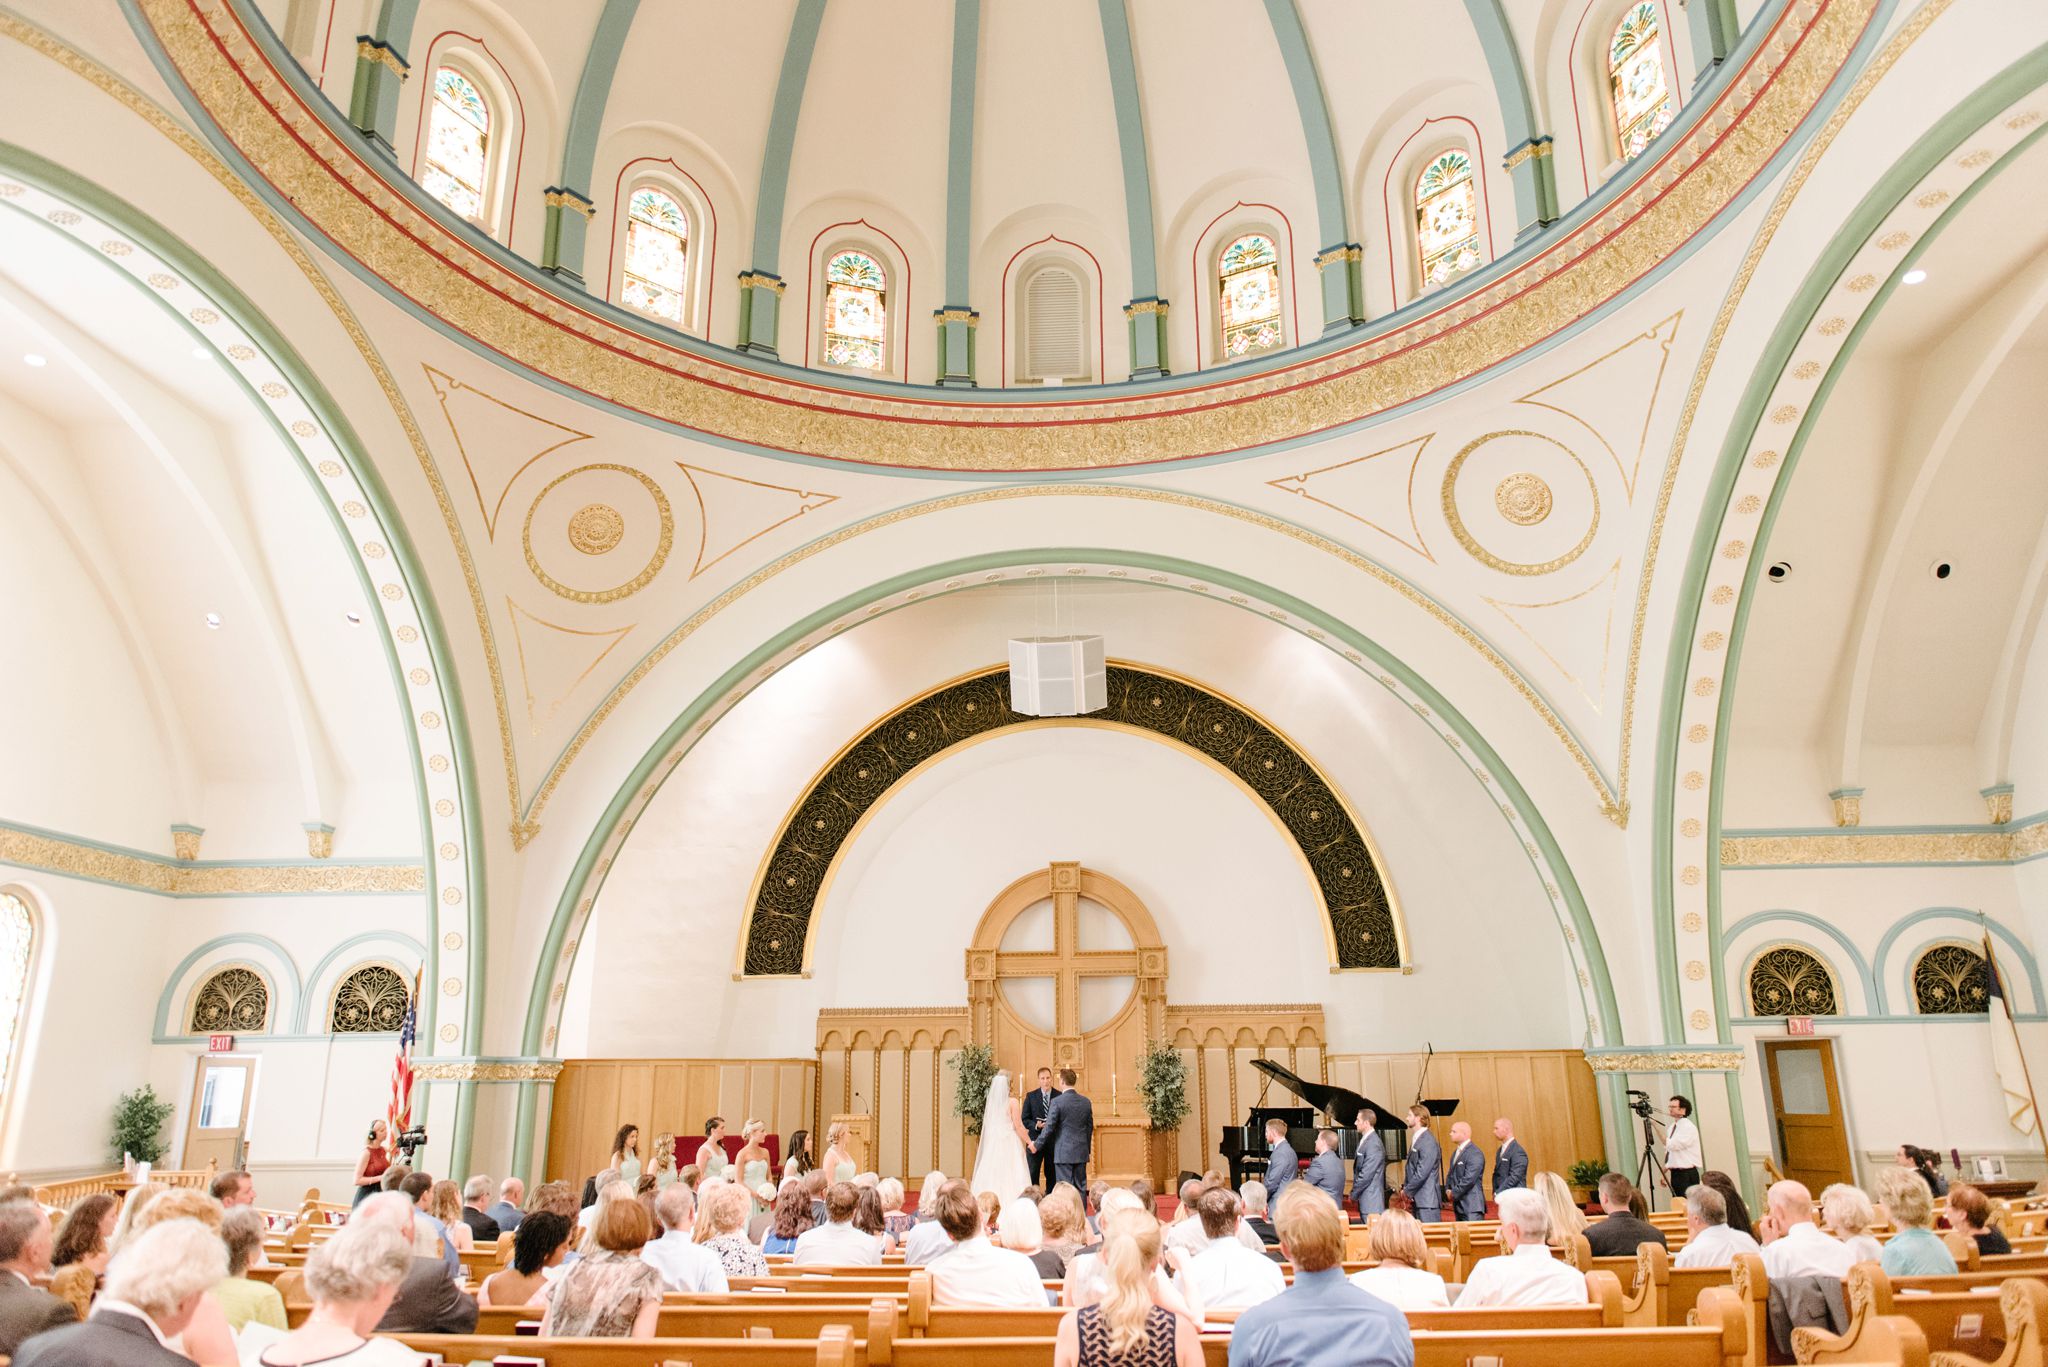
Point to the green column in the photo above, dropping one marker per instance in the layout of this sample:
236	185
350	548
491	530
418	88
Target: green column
522	1131
1342	272
1715	30
1533	172
465	1125
373	103
568	222
1147	321
760	312
957	327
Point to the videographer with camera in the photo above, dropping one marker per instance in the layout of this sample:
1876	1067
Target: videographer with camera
1681	1147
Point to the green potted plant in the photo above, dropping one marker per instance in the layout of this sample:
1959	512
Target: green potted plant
139	1119
1585	1176
1163	1088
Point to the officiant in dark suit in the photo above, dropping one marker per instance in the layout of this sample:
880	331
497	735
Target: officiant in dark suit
1036	1105
1069	1133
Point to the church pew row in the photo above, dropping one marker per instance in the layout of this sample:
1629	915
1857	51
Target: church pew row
1665	1295
1968	1325
2023	1306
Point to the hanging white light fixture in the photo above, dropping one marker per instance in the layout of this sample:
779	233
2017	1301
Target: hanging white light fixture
1057	676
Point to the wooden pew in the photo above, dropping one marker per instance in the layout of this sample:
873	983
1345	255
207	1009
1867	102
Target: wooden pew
734	1352
2023	1305
1947	1321
783	1318
1578	1251
1664	1294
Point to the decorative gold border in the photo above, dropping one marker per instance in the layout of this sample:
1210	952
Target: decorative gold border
631	586
1668	1061
1479	552
1672	200
1878	847
166	877
485	1070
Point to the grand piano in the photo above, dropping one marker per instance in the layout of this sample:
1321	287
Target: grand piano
1244	1146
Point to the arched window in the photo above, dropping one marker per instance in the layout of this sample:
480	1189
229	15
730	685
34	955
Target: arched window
17	954
1950	980
234	1000
1055	341
458	144
1248	290
1446	218
657	255
856	312
1638	88
370	1000
1791	982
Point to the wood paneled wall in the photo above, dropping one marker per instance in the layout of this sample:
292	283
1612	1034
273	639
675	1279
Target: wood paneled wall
593	1097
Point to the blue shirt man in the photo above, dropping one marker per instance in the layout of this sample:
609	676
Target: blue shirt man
1322	1320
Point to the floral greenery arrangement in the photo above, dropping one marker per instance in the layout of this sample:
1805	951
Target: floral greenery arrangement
139	1119
976	1065
1163	1085
1587	1172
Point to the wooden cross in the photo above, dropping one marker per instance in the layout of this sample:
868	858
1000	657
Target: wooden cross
1067	963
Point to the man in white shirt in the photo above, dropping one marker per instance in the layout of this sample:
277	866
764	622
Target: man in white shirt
1709	1242
1793	1245
1682	1147
1191	1238
1226	1274
1526	1274
836	1243
683	1265
976	1272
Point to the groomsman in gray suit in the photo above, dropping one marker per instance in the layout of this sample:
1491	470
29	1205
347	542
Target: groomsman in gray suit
1326	1169
1283	1164
1467	1177
1510	1160
1423	1180
1369	1168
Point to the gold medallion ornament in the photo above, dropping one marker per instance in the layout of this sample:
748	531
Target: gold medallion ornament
596	528
1523	499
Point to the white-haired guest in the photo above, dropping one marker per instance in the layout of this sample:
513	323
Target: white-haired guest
683	1264
1529	1274
155	1284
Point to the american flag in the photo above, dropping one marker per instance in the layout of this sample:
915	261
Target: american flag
399	1118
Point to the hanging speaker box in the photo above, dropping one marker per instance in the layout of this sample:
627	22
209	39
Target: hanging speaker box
1058	676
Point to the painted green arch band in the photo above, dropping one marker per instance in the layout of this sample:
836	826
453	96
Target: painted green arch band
830	812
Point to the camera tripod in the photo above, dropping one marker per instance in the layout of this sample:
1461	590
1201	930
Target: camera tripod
1651	1167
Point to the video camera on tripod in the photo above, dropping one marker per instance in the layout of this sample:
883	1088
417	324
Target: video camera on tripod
410	1142
1639	1102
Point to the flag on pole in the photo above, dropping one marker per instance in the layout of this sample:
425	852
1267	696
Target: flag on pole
399	1118
2005	1048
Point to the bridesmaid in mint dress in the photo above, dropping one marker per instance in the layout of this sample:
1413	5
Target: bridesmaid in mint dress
837	1162
753	1161
711	1160
626	1154
664	1161
799	1160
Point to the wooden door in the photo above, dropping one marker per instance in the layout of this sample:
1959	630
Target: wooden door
1806	1112
219	1112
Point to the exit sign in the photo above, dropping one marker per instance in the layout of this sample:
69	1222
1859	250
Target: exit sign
1798	1025
225	1044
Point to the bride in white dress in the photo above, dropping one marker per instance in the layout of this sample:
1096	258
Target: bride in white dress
1000	1166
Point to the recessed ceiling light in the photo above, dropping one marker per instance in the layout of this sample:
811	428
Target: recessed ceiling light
213	621
1914	277
354	619
33	359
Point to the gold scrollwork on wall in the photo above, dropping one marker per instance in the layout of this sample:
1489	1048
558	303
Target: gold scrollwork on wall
595	533
1517	502
1362	915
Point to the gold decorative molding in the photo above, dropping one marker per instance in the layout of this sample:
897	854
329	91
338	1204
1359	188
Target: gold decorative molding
1138	306
967	316
1824	848
151	873
185	842
488	1070
1523	498
1666	1061
1336	254
569	199
755	280
1998	804
1479	552
1721	151
1847	804
596	528
1534	149
370	50
629	587
319	840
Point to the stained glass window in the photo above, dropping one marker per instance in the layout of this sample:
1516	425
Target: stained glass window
1790	982
370	999
458	137
1446	218
17	950
1249	280
234	1000
856	312
657	254
1638	88
1950	980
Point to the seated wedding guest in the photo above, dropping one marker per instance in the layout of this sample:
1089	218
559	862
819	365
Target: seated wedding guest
506	1214
867	1214
1846	1213
837	1243
1087	1279
1184	1205
537	1245
815	1182
1223	1273
1731	1196
1253	1196
976	1272
1148	1199
1192	1236
792	1216
428	1300
1033	1193
1969	1212
690	1175
155	1284
443	1201
1127	1325
1403	1272
352	1279
1065	1227
1927	1163
1793	1245
593	1192
429	1235
1916	1250
245	1301
1710	1241
895	1221
928	1238
395	1175
1528	1274
991	1208
1091	1201
558	1197
683	1265
610	1292
131	1207
86	1234
1322	1317
722	1214
1566	1219
609	1195
25	1308
1623	1231
1023	1233
476	1194
208	1336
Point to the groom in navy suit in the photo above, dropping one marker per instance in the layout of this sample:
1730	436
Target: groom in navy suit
1069	1133
1036	1104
